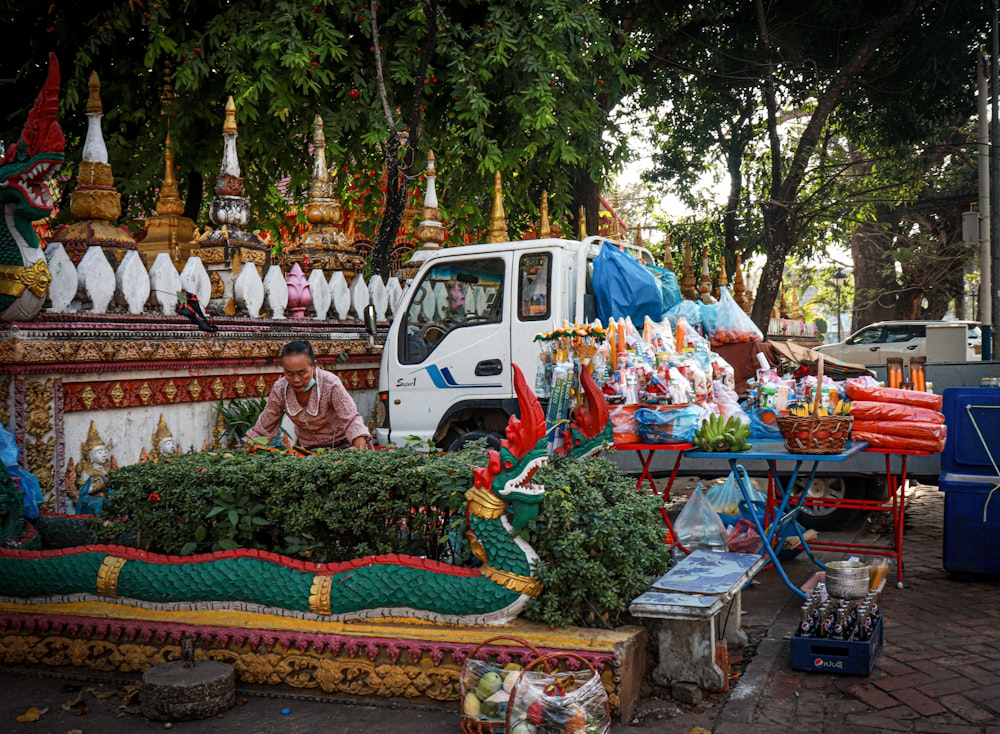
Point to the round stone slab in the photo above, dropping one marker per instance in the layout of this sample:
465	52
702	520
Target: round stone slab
171	692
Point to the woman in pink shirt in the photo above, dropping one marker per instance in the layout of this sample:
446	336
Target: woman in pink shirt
317	403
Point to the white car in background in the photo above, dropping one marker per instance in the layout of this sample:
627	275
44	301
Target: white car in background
874	344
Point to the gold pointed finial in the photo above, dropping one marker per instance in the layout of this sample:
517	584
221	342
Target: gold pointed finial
229	126
498	219
689	284
638	236
723	277
582	224
94	106
544	230
169	201
740	294
668	256
431	170
705	284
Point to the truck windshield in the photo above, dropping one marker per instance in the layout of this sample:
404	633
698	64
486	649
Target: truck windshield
450	296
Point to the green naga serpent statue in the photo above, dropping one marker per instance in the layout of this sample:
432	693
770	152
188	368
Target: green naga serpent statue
501	501
25	169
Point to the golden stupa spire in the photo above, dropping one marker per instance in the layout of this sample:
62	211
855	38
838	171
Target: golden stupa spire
582	224
740	294
668	256
498	220
229	126
723	280
544	230
169	201
705	285
638	236
689	285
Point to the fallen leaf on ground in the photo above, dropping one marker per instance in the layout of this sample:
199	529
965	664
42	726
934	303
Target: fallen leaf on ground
32	714
99	694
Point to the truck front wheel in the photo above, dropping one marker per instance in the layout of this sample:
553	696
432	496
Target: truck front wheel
490	440
826	488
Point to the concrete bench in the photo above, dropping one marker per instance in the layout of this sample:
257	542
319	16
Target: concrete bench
687	603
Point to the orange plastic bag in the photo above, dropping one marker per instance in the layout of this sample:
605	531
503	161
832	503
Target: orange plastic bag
869	410
859	390
904	429
623	423
882	441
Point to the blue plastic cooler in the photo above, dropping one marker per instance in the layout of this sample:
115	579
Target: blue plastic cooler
965	409
971	523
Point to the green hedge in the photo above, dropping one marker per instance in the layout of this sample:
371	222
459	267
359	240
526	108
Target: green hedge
598	539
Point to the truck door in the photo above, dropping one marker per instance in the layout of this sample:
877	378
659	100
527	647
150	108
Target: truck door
452	346
540	304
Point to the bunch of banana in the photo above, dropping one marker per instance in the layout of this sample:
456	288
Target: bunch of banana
800	409
720	434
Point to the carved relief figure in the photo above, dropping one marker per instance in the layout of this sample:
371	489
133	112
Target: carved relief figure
91	472
163	442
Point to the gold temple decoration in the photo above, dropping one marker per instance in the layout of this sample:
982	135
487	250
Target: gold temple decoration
582	224
638	237
160	435
498	220
319	594
39	446
794	308
668	256
689	286
723	281
169	230
107	575
15	279
484	504
95	202
323	244
225	249
544	230
513	581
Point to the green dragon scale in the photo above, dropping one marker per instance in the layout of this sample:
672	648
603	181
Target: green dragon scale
500	502
25	170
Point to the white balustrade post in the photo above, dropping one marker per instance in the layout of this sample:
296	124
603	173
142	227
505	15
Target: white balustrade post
62	289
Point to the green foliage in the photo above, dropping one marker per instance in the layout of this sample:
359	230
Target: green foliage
333	506
240	416
600	543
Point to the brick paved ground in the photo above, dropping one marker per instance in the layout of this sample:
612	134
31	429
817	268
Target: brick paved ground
939	670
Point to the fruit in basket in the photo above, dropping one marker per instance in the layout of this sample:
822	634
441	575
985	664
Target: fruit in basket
472	707
495	707
510	680
489	684
722	434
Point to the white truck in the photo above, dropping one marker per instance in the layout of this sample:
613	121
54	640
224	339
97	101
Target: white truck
467	315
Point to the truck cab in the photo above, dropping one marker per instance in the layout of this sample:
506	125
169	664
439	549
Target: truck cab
466	317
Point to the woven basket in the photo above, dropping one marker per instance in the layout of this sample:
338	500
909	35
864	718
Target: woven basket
825	434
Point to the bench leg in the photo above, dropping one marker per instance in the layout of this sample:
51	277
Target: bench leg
729	620
687	654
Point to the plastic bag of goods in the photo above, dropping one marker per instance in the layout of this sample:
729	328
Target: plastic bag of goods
726	496
690	312
670	291
744	538
732	325
903	429
728	402
670	424
883	441
623	423
623	287
698	526
870	410
561	701
864	388
486	686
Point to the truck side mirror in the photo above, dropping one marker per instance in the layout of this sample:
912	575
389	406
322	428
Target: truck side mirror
369	316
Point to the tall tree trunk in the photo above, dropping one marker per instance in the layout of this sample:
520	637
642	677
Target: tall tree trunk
780	212
195	195
397	176
873	274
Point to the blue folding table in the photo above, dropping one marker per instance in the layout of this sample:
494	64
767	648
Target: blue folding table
773	451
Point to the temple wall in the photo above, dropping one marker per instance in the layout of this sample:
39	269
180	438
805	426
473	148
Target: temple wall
56	378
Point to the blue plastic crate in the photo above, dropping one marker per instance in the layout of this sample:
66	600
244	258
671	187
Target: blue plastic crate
845	657
971	524
964	451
